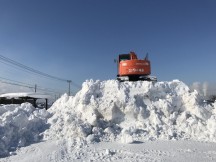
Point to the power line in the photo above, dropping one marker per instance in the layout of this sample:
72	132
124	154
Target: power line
17	83
48	89
30	69
33	86
19	68
26	68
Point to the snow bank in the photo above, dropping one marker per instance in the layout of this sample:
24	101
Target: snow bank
20	125
132	111
111	111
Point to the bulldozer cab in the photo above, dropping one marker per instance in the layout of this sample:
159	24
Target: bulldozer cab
124	57
130	56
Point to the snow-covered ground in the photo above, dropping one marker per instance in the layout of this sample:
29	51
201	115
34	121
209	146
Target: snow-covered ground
112	121
148	151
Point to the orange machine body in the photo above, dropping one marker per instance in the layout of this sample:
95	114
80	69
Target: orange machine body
129	65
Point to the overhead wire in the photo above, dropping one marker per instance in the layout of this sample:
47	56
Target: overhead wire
6	60
49	89
17	83
41	88
52	93
26	84
18	68
30	69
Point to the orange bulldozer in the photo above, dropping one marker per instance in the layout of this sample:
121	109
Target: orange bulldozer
130	68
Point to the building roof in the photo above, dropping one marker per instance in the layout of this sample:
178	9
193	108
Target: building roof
25	94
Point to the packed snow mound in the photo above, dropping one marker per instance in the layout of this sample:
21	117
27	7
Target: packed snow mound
132	111
20	125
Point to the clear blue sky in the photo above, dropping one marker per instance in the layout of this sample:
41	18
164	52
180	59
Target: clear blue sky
79	39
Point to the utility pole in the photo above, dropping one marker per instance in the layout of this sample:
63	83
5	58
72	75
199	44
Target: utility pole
35	88
69	82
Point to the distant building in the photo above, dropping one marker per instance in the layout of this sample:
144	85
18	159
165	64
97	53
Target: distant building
18	98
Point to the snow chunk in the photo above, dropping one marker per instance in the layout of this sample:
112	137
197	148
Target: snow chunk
20	125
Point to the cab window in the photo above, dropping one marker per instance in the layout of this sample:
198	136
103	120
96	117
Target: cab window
124	57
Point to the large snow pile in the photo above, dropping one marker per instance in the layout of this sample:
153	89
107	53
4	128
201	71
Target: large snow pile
132	111
111	111
20	125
